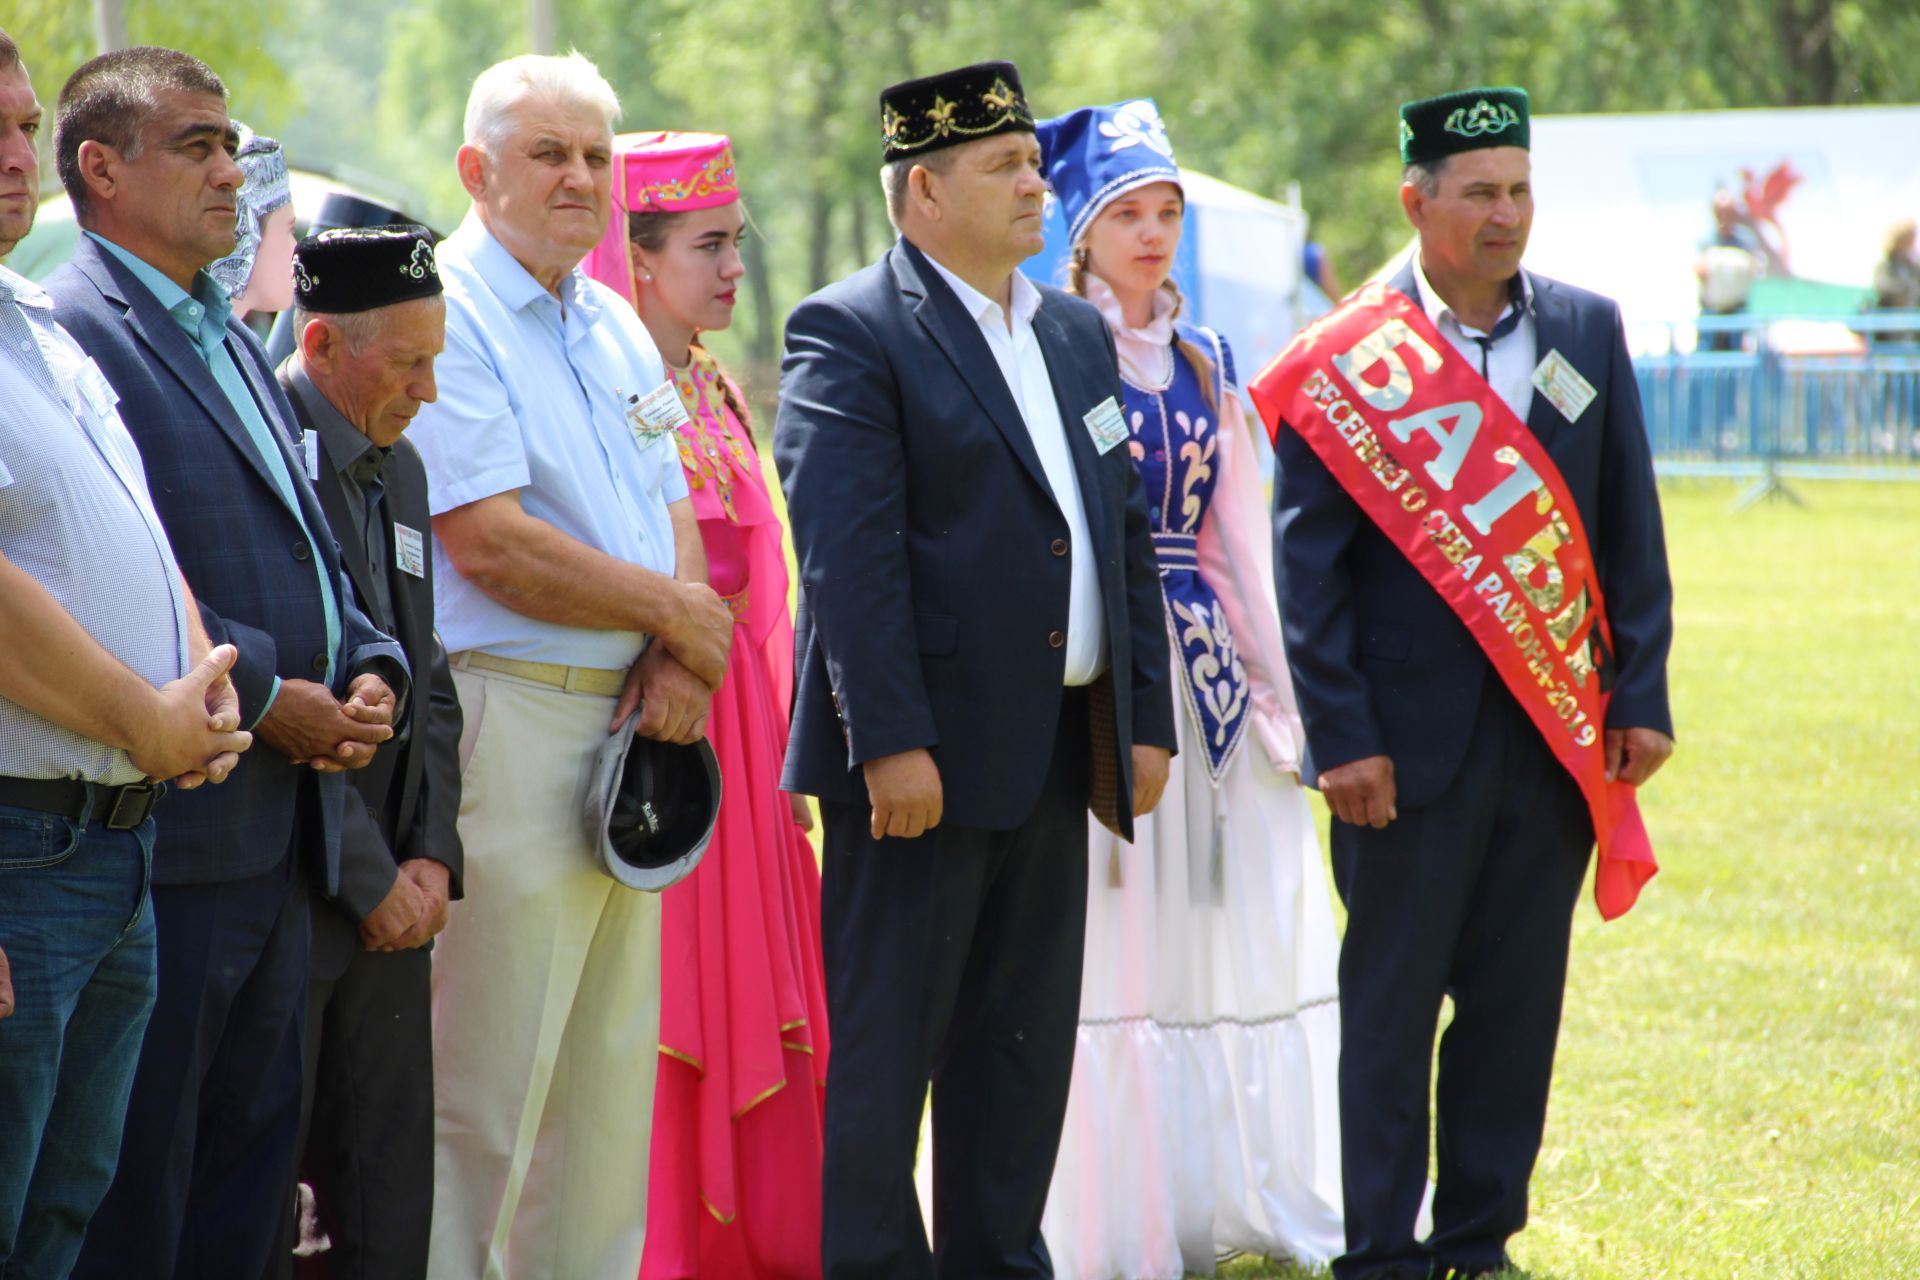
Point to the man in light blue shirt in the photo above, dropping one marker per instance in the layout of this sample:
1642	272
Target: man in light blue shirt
144	147
563	540
95	701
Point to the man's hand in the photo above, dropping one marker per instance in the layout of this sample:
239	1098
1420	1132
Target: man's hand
1149	777
189	740
1634	755
673	701
1361	792
432	880
802	811
370	700
702	636
6	985
398	912
309	726
905	792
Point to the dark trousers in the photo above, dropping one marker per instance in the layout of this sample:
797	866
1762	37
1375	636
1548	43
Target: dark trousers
367	1116
953	958
1471	897
215	1111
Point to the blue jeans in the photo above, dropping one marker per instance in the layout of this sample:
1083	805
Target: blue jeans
78	934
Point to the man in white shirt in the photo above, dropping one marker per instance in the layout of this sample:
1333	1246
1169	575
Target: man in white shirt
982	656
96	703
563	540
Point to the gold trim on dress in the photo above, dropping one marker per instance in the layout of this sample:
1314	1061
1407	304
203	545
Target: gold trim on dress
725	1220
687	1058
762	1098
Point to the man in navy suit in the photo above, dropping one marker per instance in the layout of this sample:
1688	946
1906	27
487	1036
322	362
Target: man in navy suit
981	654
1459	842
144	147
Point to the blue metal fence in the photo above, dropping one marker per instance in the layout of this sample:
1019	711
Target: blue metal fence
1741	405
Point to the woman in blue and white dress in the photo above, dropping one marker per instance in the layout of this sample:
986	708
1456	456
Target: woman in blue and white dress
1203	1117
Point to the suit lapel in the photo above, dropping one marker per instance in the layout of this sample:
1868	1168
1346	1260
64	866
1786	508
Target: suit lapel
1553	331
330	489
161	334
958	336
1063	371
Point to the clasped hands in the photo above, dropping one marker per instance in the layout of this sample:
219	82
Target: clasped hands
414	909
309	726
673	681
191	733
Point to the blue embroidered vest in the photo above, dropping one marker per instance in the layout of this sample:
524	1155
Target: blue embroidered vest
1175	444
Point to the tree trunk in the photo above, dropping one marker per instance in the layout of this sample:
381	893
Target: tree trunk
1806	40
540	26
110	25
764	345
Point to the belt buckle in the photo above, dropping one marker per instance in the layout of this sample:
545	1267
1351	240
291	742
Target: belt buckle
132	805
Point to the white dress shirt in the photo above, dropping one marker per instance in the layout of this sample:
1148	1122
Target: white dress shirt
533	399
1024	366
76	516
1510	361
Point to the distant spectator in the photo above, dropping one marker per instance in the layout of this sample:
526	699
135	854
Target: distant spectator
1319	269
1731	258
1896	277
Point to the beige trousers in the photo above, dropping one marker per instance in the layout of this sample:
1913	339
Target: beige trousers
546	1010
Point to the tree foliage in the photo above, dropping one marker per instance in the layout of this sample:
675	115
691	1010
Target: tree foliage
1261	93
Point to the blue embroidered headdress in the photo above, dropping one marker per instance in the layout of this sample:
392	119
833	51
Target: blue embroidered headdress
1095	155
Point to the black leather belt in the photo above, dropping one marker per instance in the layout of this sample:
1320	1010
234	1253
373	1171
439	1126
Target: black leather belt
120	808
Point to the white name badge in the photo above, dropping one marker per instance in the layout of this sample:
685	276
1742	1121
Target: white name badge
1106	425
656	414
409	550
310	451
1557	380
99	393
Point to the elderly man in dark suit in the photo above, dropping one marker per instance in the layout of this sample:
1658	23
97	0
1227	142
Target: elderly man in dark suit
981	652
1459	841
370	318
144	147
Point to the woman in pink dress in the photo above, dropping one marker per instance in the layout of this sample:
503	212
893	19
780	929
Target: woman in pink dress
734	1182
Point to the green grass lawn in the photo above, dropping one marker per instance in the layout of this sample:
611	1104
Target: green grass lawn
1738	1090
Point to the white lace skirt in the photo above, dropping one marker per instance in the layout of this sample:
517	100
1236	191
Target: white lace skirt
1203	1115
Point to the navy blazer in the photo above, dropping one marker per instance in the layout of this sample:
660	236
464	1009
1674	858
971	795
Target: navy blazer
242	549
1381	665
925	531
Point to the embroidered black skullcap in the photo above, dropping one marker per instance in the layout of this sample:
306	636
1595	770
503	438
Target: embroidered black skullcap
1467	120
359	268
919	116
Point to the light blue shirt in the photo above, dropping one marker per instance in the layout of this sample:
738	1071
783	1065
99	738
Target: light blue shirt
76	516
203	315
533	398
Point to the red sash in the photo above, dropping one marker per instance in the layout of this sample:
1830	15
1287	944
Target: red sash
1465	491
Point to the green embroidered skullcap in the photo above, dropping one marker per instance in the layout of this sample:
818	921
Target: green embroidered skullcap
1435	128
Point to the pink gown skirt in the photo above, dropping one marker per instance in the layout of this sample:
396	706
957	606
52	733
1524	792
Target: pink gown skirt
734	1178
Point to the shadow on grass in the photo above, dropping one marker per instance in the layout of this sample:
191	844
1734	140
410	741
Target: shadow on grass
1258	1268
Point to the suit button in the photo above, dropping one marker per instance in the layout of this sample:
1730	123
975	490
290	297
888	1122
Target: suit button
301	551
1056	639
1059	547
320	663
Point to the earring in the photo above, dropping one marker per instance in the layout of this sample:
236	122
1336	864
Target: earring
646	277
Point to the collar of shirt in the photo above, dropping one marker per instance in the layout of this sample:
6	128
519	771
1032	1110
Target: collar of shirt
515	286
203	313
1437	309
984	310
348	449
16	288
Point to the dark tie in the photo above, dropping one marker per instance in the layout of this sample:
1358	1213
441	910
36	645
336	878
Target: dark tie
1517	298
365	472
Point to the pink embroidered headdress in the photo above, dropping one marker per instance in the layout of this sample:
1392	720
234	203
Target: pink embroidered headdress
659	172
